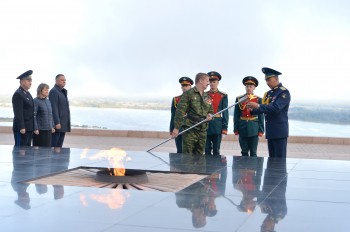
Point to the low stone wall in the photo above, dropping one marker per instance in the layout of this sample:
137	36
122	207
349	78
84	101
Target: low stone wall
165	135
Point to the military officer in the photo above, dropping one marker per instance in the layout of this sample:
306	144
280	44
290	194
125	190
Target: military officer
218	126
248	126
186	84
196	104
23	110
275	105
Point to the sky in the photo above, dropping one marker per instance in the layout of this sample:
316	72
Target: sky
140	48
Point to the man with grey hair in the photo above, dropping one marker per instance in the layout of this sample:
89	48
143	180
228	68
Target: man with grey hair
60	111
275	105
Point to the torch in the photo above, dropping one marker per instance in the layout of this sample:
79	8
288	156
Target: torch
244	98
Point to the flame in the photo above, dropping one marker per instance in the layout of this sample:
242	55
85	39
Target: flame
115	156
115	199
83	200
117	171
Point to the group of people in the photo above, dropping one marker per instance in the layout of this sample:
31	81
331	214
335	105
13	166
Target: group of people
251	116
44	120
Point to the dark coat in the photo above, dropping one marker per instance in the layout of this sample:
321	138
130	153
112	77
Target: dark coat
174	104
23	110
275	107
43	114
60	108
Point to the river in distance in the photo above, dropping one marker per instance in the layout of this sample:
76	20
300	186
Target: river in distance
158	120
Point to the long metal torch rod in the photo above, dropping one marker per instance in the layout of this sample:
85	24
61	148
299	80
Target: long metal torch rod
199	123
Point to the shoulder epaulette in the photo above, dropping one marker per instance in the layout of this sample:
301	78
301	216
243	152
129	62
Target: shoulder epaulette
283	88
223	93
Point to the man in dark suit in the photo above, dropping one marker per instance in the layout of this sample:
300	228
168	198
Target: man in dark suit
60	111
275	105
23	110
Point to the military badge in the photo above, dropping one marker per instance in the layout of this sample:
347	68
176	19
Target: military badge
284	95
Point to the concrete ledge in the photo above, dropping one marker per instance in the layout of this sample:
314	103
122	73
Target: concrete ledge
165	135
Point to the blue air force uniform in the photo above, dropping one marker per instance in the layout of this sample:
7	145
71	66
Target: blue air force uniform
275	105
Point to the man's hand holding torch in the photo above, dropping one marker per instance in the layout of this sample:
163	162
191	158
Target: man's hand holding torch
253	105
174	133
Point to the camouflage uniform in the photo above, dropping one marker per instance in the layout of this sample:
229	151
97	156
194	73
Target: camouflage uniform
197	108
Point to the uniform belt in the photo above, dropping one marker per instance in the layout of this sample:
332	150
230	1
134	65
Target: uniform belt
249	118
217	116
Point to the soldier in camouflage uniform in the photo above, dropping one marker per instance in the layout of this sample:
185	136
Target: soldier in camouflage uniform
186	84
197	104
218	126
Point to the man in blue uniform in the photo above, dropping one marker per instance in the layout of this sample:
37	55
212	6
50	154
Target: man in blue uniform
186	84
23	110
275	105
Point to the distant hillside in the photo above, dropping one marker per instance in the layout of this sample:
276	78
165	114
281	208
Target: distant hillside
310	112
335	115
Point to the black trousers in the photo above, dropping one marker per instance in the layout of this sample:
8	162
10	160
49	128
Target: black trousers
277	147
43	139
57	139
23	139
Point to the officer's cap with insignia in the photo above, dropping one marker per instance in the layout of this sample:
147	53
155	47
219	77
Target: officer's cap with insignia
249	80
214	75
269	72
185	81
25	75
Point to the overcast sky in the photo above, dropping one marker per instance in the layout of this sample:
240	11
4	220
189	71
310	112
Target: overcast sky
119	48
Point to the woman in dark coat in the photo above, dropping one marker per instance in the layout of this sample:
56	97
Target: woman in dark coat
43	120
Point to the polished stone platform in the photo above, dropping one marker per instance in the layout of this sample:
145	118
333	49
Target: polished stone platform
242	194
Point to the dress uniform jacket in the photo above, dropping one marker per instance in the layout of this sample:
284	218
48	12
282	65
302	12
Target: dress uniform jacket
23	109
246	123
220	122
174	104
275	105
60	108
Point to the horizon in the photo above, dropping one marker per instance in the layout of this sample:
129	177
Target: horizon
117	48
